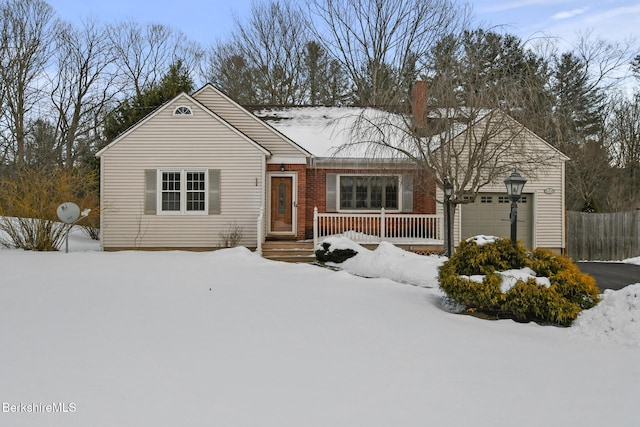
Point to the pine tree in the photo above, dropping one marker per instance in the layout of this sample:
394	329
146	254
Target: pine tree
129	112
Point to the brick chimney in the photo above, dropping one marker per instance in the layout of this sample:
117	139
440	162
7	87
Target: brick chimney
419	104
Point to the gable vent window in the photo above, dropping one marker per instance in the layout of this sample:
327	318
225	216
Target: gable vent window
182	111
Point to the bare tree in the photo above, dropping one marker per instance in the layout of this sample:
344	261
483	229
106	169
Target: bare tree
623	192
27	28
461	126
83	86
379	42
143	54
230	71
264	55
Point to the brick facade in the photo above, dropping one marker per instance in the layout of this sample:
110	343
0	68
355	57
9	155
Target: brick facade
316	190
312	192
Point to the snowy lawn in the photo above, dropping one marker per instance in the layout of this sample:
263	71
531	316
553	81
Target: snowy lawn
230	339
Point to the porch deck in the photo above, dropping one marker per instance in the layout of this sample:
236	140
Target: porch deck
419	233
399	229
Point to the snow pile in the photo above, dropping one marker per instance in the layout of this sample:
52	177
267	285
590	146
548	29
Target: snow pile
615	319
389	261
228	338
482	240
511	277
342	243
635	260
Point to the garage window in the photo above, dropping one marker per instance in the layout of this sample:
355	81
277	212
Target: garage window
486	199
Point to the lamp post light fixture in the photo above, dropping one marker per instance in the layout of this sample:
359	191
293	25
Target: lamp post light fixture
448	192
515	183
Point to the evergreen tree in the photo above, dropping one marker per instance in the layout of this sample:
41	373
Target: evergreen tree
323	76
579	106
129	112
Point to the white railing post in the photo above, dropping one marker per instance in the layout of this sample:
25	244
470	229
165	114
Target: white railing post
260	230
315	227
383	225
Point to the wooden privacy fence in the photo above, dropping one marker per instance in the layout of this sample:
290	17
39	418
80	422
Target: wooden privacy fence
603	236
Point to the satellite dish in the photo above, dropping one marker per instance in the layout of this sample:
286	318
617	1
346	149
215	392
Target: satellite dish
68	212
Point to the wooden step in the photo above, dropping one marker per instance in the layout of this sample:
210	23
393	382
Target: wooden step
287	244
288	251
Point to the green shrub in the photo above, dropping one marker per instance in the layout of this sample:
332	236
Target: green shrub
531	301
570	291
566	278
485	296
471	258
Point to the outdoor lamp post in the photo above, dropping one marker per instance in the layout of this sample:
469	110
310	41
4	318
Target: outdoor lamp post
515	183
448	191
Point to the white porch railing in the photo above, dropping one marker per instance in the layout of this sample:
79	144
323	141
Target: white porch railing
260	231
376	227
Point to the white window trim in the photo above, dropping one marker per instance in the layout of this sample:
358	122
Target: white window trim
183	191
355	211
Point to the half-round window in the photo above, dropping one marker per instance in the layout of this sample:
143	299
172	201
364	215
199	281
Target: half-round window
182	110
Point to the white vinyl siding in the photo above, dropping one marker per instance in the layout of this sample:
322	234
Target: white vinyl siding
164	142
248	124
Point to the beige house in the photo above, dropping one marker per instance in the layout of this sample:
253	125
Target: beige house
201	167
190	172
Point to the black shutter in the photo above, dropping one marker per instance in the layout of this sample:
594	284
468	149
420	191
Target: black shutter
214	191
332	193
407	192
150	191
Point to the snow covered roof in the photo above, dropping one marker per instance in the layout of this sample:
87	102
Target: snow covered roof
326	132
346	132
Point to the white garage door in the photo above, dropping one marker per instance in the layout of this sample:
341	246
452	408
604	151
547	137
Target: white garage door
488	214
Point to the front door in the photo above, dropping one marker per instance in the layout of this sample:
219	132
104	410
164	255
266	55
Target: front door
281	204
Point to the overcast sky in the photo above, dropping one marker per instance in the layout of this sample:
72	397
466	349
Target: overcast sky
208	20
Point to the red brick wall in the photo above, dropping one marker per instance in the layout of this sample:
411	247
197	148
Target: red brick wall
312	193
316	194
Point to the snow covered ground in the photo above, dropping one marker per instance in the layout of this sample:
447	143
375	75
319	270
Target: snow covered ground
230	339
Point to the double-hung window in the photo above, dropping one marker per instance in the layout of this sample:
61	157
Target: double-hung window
183	191
369	192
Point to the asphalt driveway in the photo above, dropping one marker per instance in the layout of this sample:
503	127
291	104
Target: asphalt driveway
611	275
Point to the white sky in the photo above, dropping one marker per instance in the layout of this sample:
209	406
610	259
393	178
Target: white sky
208	20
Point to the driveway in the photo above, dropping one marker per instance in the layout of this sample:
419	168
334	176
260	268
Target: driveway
611	275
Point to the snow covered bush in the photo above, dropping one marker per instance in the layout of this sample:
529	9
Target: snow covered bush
542	286
326	253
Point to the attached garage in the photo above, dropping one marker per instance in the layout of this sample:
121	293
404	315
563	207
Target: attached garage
488	214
